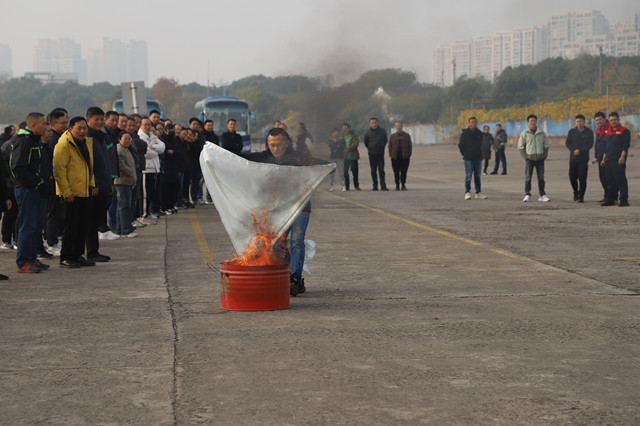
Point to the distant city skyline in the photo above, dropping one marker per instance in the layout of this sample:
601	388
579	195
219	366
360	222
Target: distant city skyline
564	35
222	41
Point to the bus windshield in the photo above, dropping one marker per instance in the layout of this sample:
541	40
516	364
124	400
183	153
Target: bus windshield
221	112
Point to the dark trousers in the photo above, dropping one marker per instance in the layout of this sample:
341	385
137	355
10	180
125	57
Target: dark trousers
76	221
616	180
578	177
10	221
97	213
376	162
353	166
152	191
400	168
169	194
194	187
29	236
55	220
486	164
104	204
602	174
500	156
528	173
136	197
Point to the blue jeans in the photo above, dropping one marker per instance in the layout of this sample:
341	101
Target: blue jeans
113	210
295	244
125	211
29	234
472	167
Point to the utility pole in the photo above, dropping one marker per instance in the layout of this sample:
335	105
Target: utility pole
607	100
600	73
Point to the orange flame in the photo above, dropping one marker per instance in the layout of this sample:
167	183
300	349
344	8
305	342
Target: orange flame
260	249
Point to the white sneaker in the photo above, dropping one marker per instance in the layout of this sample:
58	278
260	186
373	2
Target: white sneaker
108	235
137	224
480	196
131	235
331	188
149	221
467	195
55	249
344	189
201	202
544	199
526	198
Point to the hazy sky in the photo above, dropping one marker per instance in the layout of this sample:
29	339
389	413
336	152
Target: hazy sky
234	39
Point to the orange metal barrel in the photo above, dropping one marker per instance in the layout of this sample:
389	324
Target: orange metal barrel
254	288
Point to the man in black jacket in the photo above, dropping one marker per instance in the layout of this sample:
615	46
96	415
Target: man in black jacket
230	140
376	140
579	142
470	146
279	151
25	168
209	134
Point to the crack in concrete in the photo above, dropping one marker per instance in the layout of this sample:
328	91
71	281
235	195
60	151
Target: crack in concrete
174	323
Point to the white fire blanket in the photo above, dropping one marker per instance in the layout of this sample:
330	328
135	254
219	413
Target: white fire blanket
240	187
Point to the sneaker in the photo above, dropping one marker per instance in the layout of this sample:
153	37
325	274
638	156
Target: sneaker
54	250
623	204
404	188
137	224
130	235
481	196
190	206
467	195
167	212
503	173
7	246
28	268
331	188
544	199
101	258
375	188
153	216
484	173
344	189
526	198
42	266
201	202
149	221
493	173
3	277
384	188
108	235
173	210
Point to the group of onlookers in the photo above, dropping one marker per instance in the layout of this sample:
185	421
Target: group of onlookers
343	150
66	184
612	141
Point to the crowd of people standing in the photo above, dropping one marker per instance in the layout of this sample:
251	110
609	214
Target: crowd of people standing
67	183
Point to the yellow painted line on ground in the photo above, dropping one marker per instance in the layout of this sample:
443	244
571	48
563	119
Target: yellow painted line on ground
434	230
586	258
207	258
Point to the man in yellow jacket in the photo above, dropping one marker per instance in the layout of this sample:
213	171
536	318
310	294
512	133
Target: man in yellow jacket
73	172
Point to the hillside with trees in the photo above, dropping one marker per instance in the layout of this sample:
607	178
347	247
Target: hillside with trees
555	88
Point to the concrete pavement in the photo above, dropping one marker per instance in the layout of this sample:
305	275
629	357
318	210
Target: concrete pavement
421	308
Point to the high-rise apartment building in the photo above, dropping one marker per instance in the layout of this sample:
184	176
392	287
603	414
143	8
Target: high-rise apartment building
5	61
117	62
566	35
60	56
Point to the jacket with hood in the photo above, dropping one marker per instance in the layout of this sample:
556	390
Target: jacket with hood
155	148
533	146
101	163
73	166
127	167
24	160
500	141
